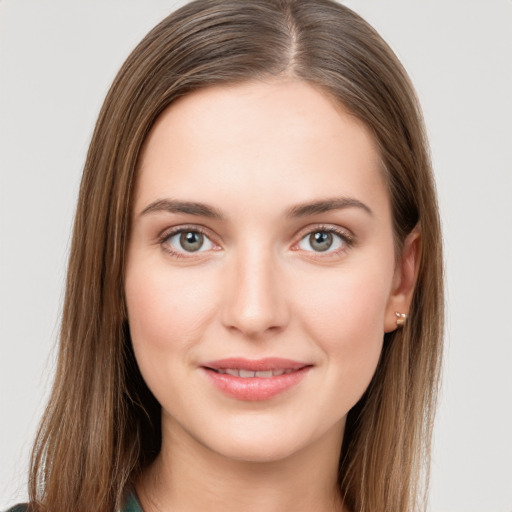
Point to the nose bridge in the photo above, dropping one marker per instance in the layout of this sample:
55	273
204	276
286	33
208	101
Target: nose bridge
256	300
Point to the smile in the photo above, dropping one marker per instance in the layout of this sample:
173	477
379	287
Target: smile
255	380
248	374
274	364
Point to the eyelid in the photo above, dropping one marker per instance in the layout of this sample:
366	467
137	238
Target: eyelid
345	234
169	232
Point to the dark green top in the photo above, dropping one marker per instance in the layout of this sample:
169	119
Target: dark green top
131	504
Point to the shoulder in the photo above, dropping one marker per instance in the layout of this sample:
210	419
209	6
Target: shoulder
22	507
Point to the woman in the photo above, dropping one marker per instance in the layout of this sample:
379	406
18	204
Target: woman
253	309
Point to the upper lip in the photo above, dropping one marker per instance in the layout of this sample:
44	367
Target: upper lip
265	364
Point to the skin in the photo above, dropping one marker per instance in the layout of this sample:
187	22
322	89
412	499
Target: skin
258	288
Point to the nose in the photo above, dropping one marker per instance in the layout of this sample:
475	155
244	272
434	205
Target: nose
255	302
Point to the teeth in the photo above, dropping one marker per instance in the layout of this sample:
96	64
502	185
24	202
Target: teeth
267	373
247	374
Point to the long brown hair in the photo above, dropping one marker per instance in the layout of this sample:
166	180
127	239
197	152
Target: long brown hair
102	425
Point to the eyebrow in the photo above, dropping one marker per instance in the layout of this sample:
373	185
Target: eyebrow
188	207
326	205
297	211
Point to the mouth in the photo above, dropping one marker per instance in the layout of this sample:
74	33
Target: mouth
248	374
261	379
250	368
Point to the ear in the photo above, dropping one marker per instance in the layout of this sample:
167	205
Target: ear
404	280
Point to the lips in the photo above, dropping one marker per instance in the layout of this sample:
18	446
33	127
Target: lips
261	379
247	374
254	365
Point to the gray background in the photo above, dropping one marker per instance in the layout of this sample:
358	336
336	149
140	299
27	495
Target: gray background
57	59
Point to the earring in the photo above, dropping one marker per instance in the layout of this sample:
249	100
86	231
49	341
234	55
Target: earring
400	319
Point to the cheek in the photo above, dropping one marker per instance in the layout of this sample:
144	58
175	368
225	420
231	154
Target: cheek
344	313
350	301
167	309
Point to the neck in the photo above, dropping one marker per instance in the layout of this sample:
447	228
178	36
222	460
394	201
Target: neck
187	476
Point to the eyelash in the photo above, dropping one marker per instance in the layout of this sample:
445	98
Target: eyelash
182	229
348	240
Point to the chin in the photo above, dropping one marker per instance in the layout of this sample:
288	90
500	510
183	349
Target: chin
263	441
257	451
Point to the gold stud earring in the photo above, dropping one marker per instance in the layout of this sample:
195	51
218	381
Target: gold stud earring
400	319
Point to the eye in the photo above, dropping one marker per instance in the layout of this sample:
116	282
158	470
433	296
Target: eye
324	240
188	241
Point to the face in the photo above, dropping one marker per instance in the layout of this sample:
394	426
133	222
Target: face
261	242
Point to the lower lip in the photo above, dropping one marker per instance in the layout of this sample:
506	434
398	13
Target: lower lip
255	388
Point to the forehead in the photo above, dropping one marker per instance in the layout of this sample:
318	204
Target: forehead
282	140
